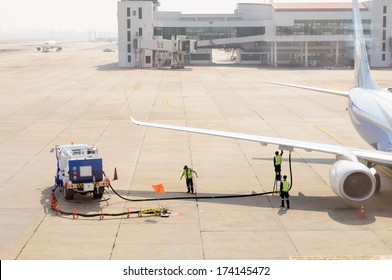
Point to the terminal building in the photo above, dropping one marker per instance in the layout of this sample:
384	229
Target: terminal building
270	34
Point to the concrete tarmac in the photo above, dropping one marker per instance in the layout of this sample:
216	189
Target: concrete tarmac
77	95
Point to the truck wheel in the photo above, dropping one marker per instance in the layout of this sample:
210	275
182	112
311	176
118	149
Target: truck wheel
100	192
95	193
69	194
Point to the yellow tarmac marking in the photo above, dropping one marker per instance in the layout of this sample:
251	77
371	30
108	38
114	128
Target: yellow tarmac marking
385	171
330	135
166	102
381	168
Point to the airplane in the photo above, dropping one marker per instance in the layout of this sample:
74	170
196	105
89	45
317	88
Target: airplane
48	45
352	176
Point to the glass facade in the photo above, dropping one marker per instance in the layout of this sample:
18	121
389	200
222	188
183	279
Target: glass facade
321	27
206	33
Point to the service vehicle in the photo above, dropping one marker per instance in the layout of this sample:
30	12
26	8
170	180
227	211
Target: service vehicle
79	170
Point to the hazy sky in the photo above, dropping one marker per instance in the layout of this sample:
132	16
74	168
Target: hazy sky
100	15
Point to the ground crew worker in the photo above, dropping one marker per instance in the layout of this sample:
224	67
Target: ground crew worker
278	163
284	192
188	176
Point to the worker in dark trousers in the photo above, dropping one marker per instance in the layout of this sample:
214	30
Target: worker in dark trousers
278	161
284	192
278	164
188	176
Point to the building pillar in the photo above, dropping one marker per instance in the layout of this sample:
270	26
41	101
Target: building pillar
337	54
275	54
306	54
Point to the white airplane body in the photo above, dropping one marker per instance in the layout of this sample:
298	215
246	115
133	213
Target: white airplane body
48	45
370	111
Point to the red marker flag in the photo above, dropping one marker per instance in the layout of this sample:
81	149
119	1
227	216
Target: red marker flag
159	188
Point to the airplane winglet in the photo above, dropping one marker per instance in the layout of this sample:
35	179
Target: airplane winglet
129	110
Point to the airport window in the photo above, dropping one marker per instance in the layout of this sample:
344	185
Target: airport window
140	32
148	59
128	23
390	44
157	31
207	33
384	35
384	46
321	27
250	31
129	58
128	12
385	9
384	21
200	56
140	13
129	48
167	32
383	57
250	57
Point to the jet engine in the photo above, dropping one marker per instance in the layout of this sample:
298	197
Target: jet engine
352	180
389	89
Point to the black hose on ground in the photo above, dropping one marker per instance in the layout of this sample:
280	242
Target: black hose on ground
189	197
101	214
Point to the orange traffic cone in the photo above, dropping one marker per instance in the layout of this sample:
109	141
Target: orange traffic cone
362	213
115	177
75	214
57	209
53	201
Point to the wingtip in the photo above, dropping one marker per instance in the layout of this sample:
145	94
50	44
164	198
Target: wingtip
135	121
130	111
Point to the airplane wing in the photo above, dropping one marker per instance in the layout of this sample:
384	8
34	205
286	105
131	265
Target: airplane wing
349	153
330	91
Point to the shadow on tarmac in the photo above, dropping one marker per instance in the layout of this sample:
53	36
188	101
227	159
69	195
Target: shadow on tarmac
338	210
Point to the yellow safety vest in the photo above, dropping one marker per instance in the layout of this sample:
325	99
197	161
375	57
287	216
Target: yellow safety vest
188	173
285	186
278	160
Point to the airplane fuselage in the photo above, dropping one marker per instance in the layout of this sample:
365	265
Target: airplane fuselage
370	113
48	45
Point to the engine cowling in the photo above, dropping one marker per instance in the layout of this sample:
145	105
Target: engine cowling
352	180
389	89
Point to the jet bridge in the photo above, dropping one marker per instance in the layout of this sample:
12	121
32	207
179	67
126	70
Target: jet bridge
163	50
